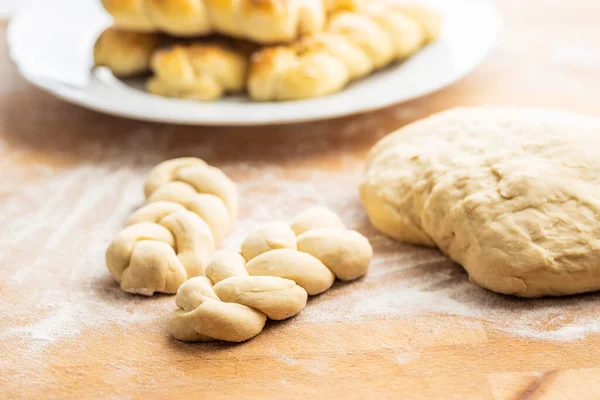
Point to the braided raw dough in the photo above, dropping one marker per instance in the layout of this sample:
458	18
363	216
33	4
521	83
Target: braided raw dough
190	208
272	277
262	21
201	71
353	45
126	53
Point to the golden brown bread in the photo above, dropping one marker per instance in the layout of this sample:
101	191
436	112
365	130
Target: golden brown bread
129	14
262	21
353	45
126	53
200	71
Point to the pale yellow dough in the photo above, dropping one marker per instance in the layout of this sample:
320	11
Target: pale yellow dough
513	195
272	278
190	208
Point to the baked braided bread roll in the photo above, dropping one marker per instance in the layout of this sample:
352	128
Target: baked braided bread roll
353	45
278	268
126	53
262	21
190	208
201	71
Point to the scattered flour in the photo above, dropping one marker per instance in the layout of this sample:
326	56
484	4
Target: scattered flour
284	359
58	217
67	190
72	290
406	357
405	281
60	324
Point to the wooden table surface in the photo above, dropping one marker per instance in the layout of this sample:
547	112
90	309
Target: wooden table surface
69	177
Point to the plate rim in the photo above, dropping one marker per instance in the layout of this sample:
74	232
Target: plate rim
61	91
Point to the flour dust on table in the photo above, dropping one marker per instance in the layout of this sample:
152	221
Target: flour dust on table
94	199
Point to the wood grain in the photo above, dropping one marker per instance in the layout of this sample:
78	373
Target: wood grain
547	56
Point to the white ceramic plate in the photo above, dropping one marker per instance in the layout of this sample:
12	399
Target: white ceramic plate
51	43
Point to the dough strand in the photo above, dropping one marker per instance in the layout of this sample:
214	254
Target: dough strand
272	278
190	208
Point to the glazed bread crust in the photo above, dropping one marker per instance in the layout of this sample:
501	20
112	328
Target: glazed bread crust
353	45
202	71
262	21
126	53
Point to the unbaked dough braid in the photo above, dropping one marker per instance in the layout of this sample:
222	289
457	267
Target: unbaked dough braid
190	208
262	21
126	53
278	268
353	45
202	71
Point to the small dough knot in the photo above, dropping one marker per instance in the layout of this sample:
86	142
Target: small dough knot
280	265
190	208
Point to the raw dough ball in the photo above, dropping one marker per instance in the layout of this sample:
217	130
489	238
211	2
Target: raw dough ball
513	195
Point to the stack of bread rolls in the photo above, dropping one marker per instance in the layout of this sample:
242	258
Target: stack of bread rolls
273	50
